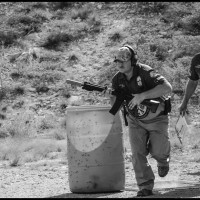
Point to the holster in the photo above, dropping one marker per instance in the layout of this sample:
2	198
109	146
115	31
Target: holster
168	106
125	114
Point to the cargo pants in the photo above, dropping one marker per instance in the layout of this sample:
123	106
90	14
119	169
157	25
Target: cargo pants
148	137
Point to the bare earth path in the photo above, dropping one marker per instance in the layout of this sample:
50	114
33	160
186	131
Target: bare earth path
50	179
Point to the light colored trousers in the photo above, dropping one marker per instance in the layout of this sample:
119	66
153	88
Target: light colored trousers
148	137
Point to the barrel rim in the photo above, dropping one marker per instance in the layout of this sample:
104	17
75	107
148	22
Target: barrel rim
88	107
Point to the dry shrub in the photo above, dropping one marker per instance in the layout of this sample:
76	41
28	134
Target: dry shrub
22	124
2	94
73	57
59	14
147	8
26	7
60	5
11	91
174	12
8	37
59	133
54	39
11	150
42	82
94	23
24	23
21	150
61	33
15	75
191	24
82	13
46	124
116	36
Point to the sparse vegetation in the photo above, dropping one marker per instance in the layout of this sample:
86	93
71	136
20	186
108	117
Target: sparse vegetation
116	36
81	13
191	24
45	42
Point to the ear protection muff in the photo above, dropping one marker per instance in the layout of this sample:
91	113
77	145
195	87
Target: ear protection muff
134	56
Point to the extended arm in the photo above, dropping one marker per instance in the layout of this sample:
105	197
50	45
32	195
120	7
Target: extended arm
190	88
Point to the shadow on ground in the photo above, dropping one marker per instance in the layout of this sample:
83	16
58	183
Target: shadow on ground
188	191
91	195
179	192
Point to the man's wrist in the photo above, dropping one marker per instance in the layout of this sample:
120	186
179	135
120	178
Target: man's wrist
143	96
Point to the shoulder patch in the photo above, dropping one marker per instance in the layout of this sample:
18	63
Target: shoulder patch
139	81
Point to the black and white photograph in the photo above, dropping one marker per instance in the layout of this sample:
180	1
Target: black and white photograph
99	99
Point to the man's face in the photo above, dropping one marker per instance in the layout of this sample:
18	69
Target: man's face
122	59
123	66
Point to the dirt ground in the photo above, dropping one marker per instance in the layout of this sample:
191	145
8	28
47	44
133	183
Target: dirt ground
49	178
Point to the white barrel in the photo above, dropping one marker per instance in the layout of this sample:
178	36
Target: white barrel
95	150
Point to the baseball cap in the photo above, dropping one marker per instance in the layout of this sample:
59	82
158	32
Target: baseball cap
123	54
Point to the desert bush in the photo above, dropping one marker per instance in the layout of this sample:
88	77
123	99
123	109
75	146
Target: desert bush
116	36
18	90
41	16
62	32
185	45
59	134
2	116
12	91
3	134
42	88
94	23
82	13
21	150
191	24
60	5
16	75
18	104
73	57
94	20
37	5
59	14
63	106
147	8
2	94
9	36
174	12
50	77
21	125
66	92
153	47
161	53
54	39
41	80
46	124
24	23
27	7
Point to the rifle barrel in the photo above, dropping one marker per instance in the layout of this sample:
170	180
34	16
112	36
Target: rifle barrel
72	82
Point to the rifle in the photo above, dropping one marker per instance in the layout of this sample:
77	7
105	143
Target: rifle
121	96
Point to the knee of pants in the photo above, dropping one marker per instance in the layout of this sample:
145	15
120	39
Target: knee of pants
160	151
161	158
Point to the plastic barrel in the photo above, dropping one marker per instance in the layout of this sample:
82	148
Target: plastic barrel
95	150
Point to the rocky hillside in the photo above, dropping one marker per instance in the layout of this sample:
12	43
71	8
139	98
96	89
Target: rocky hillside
45	43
